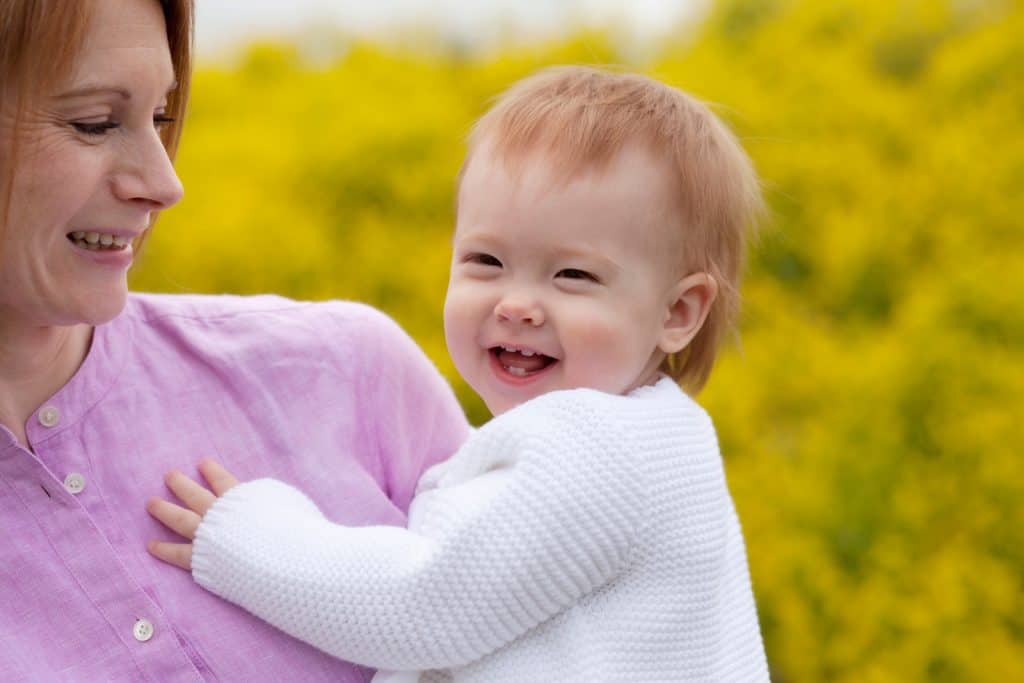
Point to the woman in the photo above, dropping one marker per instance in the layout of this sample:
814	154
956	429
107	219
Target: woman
101	391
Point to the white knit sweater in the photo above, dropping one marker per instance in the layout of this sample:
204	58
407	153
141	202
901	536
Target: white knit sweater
579	537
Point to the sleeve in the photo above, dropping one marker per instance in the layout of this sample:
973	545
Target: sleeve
552	518
408	405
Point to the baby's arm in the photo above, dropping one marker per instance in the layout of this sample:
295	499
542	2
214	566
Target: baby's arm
488	558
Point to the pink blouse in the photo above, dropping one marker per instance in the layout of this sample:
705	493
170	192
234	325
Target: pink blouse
331	397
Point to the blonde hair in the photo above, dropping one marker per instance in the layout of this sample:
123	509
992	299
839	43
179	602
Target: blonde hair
582	117
39	40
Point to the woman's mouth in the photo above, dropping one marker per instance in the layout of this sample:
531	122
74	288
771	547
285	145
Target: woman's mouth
98	241
521	362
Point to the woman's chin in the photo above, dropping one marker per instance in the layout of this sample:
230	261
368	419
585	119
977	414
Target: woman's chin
99	308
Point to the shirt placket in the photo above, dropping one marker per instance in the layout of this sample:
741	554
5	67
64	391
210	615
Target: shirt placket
56	489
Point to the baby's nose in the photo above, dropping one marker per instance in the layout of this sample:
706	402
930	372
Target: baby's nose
519	309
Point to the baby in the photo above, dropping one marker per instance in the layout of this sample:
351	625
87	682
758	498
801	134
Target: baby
586	533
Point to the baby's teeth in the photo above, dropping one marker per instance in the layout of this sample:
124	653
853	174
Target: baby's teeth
78	234
120	241
106	240
512	349
518	372
92	237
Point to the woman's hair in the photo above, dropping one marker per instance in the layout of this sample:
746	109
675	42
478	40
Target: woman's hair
580	118
39	40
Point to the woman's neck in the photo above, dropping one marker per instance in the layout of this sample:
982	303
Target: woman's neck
35	362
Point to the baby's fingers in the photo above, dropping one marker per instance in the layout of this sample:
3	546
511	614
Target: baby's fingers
176	518
219	479
178	554
196	497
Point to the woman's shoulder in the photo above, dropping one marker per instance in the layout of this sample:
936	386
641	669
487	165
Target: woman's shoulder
223	308
261	320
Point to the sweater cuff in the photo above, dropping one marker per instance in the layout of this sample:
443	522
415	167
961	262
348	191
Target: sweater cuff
233	530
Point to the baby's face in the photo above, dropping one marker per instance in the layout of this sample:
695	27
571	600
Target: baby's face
559	286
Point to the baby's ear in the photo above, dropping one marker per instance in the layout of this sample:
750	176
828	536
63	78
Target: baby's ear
689	304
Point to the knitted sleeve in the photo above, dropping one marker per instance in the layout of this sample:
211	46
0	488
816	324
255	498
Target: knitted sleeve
539	508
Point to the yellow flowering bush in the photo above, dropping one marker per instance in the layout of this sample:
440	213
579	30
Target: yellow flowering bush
868	418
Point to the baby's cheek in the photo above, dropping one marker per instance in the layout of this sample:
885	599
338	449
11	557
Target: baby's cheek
605	350
593	331
460	308
618	345
607	325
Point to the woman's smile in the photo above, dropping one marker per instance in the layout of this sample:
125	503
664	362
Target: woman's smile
98	240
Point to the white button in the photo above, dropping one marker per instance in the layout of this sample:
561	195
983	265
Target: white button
74	482
143	630
49	416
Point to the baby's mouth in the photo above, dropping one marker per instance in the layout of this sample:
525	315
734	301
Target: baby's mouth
521	362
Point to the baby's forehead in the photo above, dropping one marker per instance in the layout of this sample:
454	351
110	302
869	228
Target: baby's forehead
635	184
564	162
626	198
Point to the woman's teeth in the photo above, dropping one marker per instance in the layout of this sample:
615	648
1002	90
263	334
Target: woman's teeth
98	240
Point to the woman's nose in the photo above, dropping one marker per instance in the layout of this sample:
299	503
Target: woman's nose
518	308
148	176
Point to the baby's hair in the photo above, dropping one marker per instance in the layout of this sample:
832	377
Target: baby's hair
581	117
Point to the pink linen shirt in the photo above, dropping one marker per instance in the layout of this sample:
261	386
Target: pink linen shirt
331	397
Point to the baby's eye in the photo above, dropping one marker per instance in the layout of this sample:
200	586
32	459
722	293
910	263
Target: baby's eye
94	128
577	274
483	260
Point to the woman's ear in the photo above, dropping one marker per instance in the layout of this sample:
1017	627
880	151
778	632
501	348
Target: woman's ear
689	304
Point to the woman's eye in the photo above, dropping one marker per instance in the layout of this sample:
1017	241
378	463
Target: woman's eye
94	128
161	121
483	260
576	274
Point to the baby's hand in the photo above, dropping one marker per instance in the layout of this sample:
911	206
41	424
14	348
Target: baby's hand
185	521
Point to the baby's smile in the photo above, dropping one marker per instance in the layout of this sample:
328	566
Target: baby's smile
520	361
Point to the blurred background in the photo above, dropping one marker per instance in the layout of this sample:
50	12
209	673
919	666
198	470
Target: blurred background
870	418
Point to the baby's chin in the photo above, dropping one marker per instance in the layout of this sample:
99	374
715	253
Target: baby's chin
497	406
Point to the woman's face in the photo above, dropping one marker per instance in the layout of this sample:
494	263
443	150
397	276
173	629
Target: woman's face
90	172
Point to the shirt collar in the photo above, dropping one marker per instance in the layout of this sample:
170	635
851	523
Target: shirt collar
98	373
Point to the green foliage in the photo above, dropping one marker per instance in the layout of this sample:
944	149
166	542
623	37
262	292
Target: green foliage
870	419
